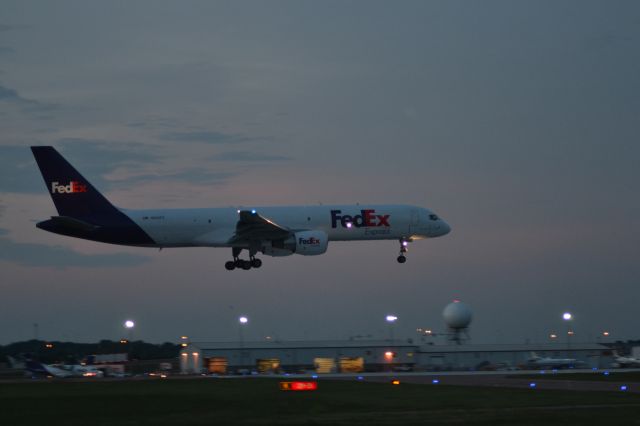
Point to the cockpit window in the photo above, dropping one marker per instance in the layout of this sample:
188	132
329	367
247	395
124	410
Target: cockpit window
433	217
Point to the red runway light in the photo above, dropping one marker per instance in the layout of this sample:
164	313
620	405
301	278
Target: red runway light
298	386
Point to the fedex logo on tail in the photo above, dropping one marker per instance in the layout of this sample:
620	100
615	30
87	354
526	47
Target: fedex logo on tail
72	188
366	218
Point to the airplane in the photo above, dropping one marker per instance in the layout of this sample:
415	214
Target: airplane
62	371
83	212
29	365
554	363
625	361
16	363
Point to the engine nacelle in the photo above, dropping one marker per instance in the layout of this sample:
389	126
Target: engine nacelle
306	243
311	243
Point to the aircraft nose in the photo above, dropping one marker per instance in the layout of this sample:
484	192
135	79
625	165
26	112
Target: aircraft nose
445	228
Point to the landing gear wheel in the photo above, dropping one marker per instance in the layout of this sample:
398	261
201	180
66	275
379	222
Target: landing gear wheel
256	263
230	265
246	265
404	242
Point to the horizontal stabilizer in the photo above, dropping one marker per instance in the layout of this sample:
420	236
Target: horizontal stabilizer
73	224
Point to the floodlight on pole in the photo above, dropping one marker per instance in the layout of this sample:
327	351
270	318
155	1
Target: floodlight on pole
242	321
567	317
391	319
129	324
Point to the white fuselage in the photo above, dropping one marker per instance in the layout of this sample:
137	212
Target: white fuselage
73	371
215	227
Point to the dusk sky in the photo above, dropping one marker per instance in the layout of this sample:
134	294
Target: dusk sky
516	121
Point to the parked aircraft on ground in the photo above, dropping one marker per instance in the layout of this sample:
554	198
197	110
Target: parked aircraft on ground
16	363
36	368
625	361
83	212
536	362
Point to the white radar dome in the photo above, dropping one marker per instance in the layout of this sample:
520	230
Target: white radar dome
457	315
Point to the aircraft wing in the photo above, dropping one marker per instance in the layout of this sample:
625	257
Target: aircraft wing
253	227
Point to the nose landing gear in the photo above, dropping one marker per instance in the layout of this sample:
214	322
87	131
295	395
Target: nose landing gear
403	249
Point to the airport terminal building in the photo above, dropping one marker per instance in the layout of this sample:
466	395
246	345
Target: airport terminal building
354	356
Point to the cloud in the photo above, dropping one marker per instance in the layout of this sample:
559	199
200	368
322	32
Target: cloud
107	164
12	98
94	159
248	156
107	155
8	94
153	122
29	254
206	137
198	176
5	50
18	170
7	27
106	158
607	39
99	158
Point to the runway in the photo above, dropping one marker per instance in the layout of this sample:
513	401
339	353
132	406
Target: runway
603	381
533	379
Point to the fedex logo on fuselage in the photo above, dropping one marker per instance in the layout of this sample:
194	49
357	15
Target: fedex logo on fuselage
73	187
366	218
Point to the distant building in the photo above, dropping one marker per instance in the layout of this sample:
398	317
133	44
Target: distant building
509	356
374	355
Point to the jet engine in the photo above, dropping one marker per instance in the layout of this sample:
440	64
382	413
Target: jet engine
311	243
306	243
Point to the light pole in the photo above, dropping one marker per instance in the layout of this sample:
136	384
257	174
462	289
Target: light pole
242	321
391	319
567	317
129	324
184	341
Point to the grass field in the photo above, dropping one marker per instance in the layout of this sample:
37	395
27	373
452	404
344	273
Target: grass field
259	401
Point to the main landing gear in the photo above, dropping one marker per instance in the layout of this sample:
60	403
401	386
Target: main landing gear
253	261
403	249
